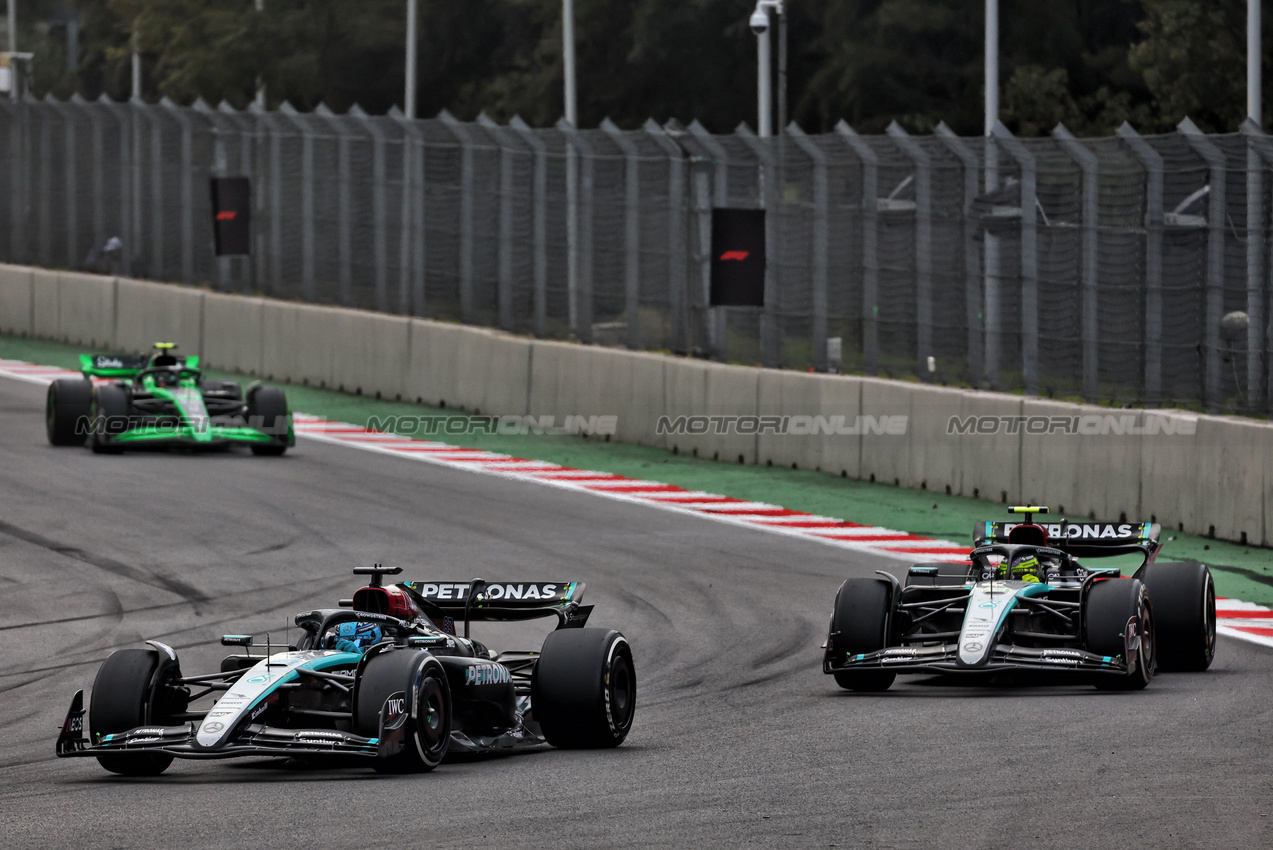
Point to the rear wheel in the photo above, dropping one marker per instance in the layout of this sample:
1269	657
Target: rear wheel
1115	608
66	411
267	410
860	625
583	694
425	715
110	418
124	698
1184	598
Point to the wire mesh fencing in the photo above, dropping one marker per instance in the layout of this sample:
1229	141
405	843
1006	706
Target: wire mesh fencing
1127	270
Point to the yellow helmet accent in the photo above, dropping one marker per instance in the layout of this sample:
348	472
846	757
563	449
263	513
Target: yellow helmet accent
1028	509
164	346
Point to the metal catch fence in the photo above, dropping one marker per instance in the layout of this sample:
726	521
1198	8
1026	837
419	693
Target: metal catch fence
1126	270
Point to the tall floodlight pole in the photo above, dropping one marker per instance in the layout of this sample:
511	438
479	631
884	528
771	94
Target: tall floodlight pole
993	333
409	96
759	23
260	84
136	94
13	49
568	60
1254	78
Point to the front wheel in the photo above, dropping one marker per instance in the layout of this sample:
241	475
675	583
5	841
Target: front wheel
1184	597
583	694
1119	623
860	625
409	689
267	412
124	697
66	411
110	418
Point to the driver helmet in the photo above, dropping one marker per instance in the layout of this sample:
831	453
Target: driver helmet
1026	568
354	636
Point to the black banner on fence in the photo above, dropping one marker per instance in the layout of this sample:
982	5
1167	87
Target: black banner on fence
738	258
232	215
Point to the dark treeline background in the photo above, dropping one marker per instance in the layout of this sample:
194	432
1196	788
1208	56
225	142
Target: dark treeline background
1091	64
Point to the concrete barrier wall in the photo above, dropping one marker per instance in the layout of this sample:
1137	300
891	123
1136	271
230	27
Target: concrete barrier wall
146	313
86	309
1189	471
15	300
45	323
232	333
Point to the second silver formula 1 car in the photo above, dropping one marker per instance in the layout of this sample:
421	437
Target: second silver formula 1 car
1025	601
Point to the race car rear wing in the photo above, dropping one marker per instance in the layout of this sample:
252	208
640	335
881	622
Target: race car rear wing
498	600
122	365
1082	539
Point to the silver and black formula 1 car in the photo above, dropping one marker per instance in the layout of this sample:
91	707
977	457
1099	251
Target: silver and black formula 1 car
1025	602
385	679
161	401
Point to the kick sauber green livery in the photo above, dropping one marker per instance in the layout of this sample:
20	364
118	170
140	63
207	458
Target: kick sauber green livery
163	400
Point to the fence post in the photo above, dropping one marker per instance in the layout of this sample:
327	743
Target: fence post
99	156
1029	256
821	241
507	150
412	247
717	317
1150	160
45	194
1090	167
187	188
870	241
344	228
17	174
307	198
972	267
631	231
540	219
1260	150
378	203
461	134
676	237
923	246
220	168
70	112
581	220
769	343
1216	212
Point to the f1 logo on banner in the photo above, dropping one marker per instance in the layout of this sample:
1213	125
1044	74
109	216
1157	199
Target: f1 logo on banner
231	215
738	258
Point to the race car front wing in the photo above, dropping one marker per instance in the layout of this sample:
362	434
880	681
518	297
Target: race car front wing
1005	656
252	740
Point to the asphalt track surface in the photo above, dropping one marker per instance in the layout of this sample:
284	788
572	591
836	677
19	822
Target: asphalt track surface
739	741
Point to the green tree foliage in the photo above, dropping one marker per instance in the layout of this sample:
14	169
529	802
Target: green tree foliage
1090	64
1193	59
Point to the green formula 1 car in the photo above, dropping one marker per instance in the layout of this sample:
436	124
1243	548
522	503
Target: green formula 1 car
163	400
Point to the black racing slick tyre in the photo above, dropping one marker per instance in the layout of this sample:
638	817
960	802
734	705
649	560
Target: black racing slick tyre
418	678
1114	606
110	418
267	410
123	698
1184	599
66	411
860	624
583	693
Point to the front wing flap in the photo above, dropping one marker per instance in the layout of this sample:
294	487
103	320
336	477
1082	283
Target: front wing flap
252	740
1005	656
